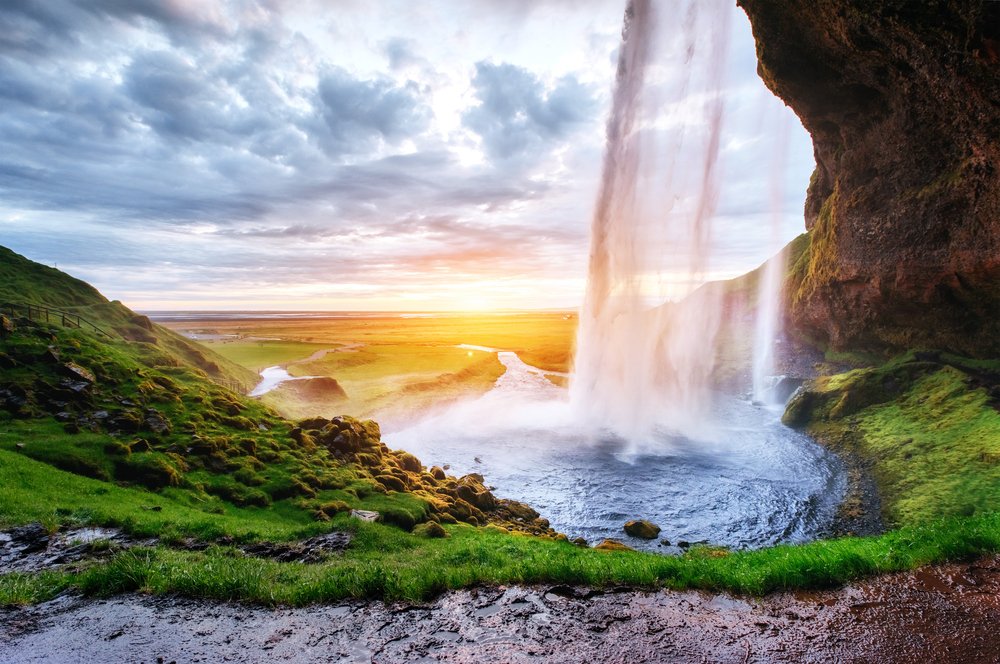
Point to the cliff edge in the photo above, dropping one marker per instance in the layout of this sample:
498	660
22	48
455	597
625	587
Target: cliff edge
903	103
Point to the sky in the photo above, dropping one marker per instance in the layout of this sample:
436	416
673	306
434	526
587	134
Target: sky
344	154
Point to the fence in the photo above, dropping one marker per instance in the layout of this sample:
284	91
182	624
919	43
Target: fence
40	313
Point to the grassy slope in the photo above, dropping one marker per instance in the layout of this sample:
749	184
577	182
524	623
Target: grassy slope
23	281
927	424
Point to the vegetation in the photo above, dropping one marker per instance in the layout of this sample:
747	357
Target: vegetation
384	561
929	424
137	433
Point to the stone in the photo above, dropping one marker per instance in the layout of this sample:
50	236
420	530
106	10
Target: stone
391	482
366	515
642	529
75	372
409	462
612	545
156	423
438	473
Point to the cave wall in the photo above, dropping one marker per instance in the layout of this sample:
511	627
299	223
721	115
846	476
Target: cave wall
902	99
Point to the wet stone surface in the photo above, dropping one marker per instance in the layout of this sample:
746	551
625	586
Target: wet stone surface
32	548
946	613
313	550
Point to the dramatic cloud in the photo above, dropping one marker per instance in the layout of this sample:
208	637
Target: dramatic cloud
517	116
265	153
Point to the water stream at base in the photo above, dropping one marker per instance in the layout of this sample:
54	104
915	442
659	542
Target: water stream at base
758	483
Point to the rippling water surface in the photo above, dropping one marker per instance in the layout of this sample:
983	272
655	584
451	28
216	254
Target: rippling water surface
752	483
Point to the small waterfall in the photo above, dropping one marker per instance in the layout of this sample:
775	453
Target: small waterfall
767	322
646	339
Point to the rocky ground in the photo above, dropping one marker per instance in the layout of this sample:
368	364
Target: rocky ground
945	613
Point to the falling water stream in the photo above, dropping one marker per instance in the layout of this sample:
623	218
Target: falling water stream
641	433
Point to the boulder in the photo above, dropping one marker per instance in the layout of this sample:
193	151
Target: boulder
612	545
642	529
391	482
409	462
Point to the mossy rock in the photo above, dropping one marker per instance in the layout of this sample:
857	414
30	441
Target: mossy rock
430	529
612	545
409	462
391	482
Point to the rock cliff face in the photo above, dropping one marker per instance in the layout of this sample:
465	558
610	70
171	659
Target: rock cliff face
902	98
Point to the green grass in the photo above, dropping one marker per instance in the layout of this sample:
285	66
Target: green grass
929	430
257	354
391	564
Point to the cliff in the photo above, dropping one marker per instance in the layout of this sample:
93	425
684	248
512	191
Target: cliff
902	100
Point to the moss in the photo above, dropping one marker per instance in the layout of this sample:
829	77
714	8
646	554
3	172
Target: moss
930	429
821	254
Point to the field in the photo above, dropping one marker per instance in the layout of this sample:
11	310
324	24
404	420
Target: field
392	368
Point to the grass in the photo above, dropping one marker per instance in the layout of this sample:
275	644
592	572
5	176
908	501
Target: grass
257	354
387	563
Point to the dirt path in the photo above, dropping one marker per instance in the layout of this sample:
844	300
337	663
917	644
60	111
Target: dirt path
948	613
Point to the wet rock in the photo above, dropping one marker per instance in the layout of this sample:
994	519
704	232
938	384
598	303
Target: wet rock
77	387
581	542
30	538
313	550
642	529
156	423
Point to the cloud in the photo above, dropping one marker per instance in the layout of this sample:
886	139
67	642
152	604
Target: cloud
518	116
359	113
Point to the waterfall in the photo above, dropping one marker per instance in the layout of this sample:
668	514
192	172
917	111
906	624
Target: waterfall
646	339
768	316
